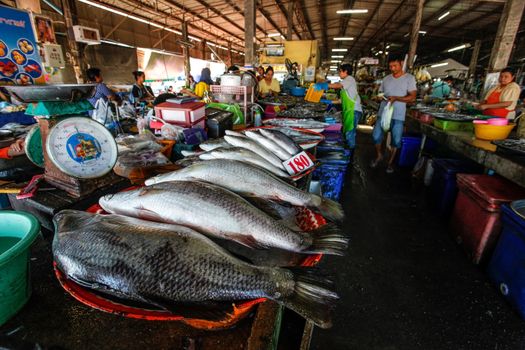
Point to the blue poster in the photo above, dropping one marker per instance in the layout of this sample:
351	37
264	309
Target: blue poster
20	62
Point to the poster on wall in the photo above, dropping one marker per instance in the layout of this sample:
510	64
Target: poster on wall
45	34
20	62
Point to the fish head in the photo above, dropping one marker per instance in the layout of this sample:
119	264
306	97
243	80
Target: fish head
125	202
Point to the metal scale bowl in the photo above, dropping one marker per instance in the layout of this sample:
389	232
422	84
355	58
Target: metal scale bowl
78	152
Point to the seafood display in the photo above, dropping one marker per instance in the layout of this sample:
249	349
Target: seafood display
220	213
169	266
296	123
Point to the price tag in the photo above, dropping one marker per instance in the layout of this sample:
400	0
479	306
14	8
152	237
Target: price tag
298	163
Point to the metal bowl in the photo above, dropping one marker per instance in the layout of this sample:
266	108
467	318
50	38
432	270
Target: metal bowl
50	93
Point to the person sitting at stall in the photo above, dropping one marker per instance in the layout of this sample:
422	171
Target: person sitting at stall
441	88
260	73
501	100
202	86
191	82
269	85
13	150
101	90
139	91
350	100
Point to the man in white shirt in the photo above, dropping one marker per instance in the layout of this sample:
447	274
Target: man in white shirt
399	88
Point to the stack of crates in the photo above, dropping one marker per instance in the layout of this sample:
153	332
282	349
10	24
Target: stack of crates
334	158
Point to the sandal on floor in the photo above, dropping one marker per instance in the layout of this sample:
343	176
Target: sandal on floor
375	162
390	170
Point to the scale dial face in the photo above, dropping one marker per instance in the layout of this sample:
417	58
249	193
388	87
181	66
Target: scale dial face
82	148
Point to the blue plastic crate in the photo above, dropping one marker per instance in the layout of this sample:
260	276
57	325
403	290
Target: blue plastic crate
409	153
507	266
332	178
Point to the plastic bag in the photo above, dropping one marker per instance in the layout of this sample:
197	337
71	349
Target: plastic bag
102	112
171	132
126	110
238	116
386	116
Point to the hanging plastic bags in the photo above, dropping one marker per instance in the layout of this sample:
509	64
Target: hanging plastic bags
386	116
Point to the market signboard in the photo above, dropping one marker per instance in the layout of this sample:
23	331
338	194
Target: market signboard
20	62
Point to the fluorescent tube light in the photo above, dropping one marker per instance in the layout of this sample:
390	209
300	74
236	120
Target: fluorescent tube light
271	35
116	43
346	12
444	15
339	50
460	47
422	32
338	56
439	65
335	61
344	38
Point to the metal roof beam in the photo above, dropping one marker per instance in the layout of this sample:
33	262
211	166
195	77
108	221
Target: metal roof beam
343	21
286	14
322	6
241	12
370	20
267	16
300	6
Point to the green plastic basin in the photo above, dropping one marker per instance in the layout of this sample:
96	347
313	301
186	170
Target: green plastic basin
18	230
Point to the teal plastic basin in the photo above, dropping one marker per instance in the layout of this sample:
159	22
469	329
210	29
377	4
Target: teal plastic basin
18	230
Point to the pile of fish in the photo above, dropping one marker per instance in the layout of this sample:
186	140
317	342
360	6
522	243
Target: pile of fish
299	113
297	123
158	245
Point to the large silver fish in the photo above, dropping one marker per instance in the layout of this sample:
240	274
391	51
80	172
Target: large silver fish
243	155
268	144
250	181
169	266
282	140
212	144
255	147
218	212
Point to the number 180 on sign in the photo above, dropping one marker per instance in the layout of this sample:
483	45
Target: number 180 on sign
298	163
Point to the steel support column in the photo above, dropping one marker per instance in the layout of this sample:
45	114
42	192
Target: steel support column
414	35
289	29
474	58
186	52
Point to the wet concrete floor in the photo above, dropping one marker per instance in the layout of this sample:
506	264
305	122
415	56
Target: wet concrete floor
405	284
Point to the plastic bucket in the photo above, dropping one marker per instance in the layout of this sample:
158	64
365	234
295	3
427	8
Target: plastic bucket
17	232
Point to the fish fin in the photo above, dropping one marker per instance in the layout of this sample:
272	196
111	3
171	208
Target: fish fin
146	214
312	297
248	241
207	310
328	239
265	205
331	210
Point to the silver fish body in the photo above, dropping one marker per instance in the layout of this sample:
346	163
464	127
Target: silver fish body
256	148
243	155
217	212
212	144
247	180
161	264
268	144
282	140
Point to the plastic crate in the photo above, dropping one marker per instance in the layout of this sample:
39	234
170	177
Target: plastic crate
409	152
331	177
450	125
475	220
443	188
507	266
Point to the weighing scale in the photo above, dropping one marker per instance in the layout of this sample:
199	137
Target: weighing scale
78	153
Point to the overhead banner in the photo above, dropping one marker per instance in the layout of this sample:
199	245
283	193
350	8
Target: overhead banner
20	62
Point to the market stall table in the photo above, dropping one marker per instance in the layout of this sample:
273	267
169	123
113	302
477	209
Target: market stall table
482	152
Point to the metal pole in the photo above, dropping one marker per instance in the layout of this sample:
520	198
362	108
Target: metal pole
76	50
186	52
474	59
414	35
290	20
507	29
249	25
203	53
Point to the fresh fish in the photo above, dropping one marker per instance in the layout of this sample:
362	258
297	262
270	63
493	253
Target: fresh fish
297	123
184	162
245	156
282	140
212	144
294	134
234	133
256	148
250	181
269	144
218	212
190	153
171	266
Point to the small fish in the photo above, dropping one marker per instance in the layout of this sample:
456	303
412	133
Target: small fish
212	144
217	212
234	133
269	144
256	148
175	268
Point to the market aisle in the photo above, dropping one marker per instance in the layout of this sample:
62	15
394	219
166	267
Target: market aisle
404	283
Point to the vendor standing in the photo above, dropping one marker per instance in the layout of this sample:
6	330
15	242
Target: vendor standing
350	101
399	88
269	85
501	100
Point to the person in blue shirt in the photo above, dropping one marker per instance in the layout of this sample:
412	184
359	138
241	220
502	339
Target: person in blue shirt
441	88
101	91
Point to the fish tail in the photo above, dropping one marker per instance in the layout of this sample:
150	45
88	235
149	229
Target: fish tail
331	210
328	239
312	296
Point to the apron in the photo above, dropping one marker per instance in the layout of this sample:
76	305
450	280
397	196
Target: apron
348	111
494	97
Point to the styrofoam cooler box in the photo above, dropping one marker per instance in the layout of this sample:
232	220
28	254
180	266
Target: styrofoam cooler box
507	265
475	220
185	114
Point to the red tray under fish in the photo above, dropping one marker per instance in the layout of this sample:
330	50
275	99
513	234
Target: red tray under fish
307	220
